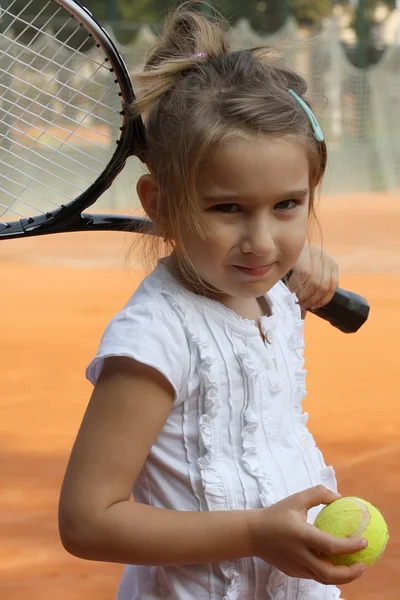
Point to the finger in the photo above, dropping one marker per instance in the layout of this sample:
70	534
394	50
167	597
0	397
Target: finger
335	275
328	574
316	300
315	303
299	283
328	544
325	296
315	496
315	293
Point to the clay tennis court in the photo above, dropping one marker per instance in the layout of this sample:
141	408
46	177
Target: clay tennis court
56	297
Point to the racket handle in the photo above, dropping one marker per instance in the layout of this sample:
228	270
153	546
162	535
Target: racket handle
346	311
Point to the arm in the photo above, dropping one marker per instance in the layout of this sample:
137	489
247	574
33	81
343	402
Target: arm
128	408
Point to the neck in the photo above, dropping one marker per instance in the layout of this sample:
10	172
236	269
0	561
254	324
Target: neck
247	308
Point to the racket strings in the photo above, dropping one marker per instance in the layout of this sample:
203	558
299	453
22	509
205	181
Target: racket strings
60	115
25	203
74	73
18	214
43	30
49	122
37	140
52	62
39	116
44	185
49	187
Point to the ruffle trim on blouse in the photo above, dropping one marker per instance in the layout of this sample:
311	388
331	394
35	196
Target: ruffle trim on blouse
304	589
213	484
275	587
268	327
214	489
296	346
232	576
250	431
212	481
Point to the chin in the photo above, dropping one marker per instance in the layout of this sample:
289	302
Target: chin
266	282
253	290
244	289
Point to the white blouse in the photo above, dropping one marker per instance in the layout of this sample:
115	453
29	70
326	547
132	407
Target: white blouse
236	437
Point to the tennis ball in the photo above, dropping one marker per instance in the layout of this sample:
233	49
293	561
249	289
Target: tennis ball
354	517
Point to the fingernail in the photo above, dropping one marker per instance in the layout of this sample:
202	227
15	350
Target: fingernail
361	573
364	543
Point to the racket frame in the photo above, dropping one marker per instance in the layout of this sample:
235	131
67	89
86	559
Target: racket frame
69	216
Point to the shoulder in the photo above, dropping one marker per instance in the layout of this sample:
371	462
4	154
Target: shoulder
155	303
148	314
149	330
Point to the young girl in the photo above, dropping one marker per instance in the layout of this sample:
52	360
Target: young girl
199	380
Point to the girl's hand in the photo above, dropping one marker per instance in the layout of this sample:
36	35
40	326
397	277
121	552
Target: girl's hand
315	278
284	539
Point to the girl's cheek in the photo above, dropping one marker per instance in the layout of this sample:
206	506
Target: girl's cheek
220	235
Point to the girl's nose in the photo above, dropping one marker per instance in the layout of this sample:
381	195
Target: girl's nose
258	240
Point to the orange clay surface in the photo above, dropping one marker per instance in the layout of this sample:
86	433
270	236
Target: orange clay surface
57	294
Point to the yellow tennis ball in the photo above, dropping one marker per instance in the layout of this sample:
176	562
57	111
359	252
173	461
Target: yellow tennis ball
354	517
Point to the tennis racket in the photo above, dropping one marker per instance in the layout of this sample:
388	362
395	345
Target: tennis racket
66	135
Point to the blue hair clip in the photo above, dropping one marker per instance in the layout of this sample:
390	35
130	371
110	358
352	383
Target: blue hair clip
319	136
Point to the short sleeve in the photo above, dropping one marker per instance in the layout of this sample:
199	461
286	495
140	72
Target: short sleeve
149	335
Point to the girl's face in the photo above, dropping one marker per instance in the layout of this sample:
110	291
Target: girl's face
255	195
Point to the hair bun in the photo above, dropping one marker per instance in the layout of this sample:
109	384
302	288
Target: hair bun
188	33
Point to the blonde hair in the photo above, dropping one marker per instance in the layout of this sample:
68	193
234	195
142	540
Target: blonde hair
196	94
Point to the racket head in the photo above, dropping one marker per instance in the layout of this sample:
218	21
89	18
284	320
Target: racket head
67	133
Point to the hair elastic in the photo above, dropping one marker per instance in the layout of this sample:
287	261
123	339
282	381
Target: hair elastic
200	55
318	134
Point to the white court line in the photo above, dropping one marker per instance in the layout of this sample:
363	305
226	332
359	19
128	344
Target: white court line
366	456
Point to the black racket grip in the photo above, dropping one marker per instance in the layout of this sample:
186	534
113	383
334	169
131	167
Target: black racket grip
346	311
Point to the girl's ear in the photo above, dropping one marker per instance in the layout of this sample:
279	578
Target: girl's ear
147	190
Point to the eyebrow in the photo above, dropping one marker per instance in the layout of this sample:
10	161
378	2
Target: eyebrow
295	193
232	196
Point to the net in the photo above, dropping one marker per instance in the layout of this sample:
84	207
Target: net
359	109
361	116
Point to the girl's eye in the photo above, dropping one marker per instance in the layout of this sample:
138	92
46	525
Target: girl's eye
287	205
226	208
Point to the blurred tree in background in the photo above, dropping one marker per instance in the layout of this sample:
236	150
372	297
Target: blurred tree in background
265	16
